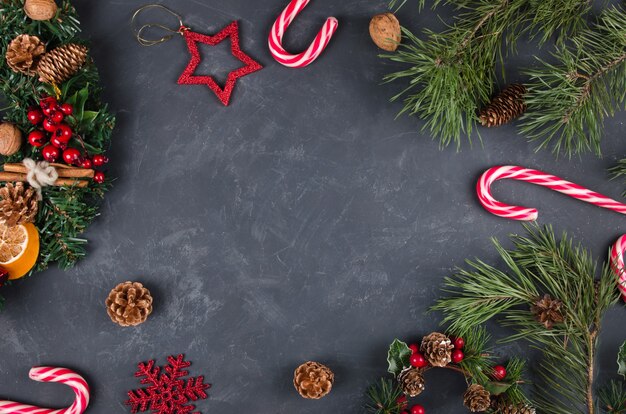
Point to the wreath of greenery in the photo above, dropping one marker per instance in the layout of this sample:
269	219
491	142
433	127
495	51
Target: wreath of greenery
65	212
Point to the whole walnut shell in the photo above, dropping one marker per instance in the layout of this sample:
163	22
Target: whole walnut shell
385	31
40	9
10	139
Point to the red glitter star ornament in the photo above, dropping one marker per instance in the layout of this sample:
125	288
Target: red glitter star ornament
231	31
168	393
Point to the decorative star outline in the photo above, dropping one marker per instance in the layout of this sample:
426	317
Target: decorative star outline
193	38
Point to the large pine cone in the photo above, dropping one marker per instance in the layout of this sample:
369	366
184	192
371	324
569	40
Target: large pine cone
515	409
61	63
477	398
18	204
313	380
411	381
24	53
506	106
547	311
129	304
437	349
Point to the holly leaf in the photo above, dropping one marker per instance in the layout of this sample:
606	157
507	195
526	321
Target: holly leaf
497	388
398	356
621	360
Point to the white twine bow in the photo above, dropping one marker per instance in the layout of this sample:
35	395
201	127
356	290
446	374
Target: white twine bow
39	174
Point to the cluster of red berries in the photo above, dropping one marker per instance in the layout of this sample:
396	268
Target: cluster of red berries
54	136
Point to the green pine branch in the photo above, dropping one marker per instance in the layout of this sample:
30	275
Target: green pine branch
540	264
569	100
383	398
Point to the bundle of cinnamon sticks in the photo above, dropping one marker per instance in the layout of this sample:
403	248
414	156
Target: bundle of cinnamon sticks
68	175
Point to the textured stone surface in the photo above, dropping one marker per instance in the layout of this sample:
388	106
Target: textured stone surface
300	223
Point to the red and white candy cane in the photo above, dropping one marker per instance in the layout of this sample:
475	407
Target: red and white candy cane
617	263
483	188
315	49
52	374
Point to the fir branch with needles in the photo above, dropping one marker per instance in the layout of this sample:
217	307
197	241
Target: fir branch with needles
619	172
540	264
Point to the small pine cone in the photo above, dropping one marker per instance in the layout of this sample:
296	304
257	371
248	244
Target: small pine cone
411	381
516	409
24	53
10	139
506	106
18	205
547	311
437	349
61	63
129	304
313	380
477	398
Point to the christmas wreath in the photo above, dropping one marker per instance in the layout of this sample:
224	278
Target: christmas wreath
53	137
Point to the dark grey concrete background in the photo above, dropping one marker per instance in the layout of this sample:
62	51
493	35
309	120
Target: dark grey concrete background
302	222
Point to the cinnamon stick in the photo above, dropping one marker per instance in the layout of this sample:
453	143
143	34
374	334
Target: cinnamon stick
62	170
14	177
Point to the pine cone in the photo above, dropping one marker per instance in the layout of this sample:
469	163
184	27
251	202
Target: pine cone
515	409
61	63
313	380
506	106
477	398
10	138
411	381
437	349
129	304
548	311
23	54
18	205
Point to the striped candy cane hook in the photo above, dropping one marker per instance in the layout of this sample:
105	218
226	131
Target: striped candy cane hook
315	49
483	188
617	263
52	374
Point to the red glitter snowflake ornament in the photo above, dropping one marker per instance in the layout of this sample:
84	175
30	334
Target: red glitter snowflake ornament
168	393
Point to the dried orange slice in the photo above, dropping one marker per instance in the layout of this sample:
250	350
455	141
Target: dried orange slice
19	248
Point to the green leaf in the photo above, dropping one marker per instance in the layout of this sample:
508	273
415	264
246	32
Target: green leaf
398	356
621	360
497	388
89	116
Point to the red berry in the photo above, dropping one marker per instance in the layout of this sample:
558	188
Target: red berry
49	125
99	160
418	409
35	116
86	163
67	109
37	138
63	132
417	360
57	116
48	105
499	373
414	348
459	343
71	155
98	177
402	402
51	153
457	356
58	143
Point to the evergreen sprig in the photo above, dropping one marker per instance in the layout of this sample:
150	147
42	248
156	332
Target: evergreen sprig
540	264
383	398
569	100
65	212
613	398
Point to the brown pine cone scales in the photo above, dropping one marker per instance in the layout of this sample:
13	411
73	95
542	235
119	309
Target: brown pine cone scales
515	409
506	106
477	398
18	204
313	380
62	63
24	53
129	304
548	311
411	381
437	349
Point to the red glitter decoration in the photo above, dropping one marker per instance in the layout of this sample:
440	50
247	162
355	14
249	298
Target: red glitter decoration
192	39
168	394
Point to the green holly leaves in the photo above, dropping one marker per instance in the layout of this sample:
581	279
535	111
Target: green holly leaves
398	356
